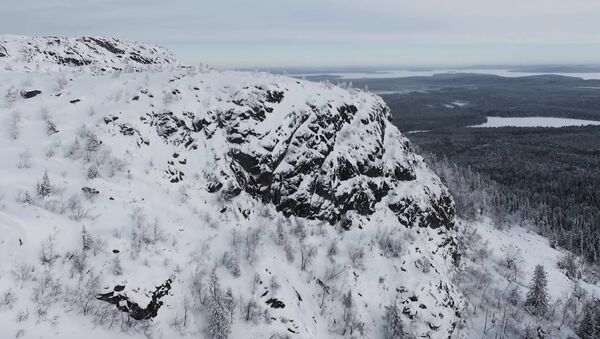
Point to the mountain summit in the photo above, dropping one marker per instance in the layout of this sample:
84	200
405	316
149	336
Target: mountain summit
105	53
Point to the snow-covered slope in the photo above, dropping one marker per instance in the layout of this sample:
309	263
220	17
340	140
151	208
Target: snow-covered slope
101	52
304	200
495	277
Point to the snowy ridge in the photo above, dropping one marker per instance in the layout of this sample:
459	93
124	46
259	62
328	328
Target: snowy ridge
100	52
308	205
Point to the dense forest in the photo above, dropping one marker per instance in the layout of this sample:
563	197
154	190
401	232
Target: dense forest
456	100
546	177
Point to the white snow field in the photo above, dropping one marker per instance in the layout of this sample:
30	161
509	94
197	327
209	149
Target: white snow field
534	122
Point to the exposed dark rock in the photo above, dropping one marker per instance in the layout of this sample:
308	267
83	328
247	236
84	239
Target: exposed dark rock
30	94
274	97
140	59
274	303
90	192
122	302
68	61
127	129
174	174
440	212
110	118
214	187
106	44
75	101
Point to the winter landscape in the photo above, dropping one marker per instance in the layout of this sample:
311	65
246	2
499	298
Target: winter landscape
147	196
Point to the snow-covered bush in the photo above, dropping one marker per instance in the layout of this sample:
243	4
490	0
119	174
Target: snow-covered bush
48	253
23	273
569	263
7	300
511	262
390	244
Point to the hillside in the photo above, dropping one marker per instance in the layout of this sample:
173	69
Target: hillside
141	198
173	201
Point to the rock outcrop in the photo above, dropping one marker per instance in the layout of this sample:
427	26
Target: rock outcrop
312	154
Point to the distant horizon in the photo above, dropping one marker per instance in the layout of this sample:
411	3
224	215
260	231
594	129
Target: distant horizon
330	33
594	67
201	59
408	57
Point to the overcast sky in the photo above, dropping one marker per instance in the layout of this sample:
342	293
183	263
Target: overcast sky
268	33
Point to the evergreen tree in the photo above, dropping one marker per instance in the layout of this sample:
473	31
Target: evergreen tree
393	323
44	188
590	324
86	239
219	325
537	297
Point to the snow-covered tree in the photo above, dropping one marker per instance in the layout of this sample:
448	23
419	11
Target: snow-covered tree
537	297
86	239
590	324
93	172
393	323
44	188
117	268
219	325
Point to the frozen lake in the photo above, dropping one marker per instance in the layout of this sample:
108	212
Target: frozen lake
535	122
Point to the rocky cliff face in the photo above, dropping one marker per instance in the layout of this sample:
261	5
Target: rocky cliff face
308	205
312	151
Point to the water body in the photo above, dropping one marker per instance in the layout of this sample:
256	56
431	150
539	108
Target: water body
534	122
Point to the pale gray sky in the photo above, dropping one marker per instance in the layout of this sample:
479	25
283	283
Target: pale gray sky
263	33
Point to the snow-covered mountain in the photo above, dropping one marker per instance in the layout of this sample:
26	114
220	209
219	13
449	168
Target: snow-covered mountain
180	201
99	52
